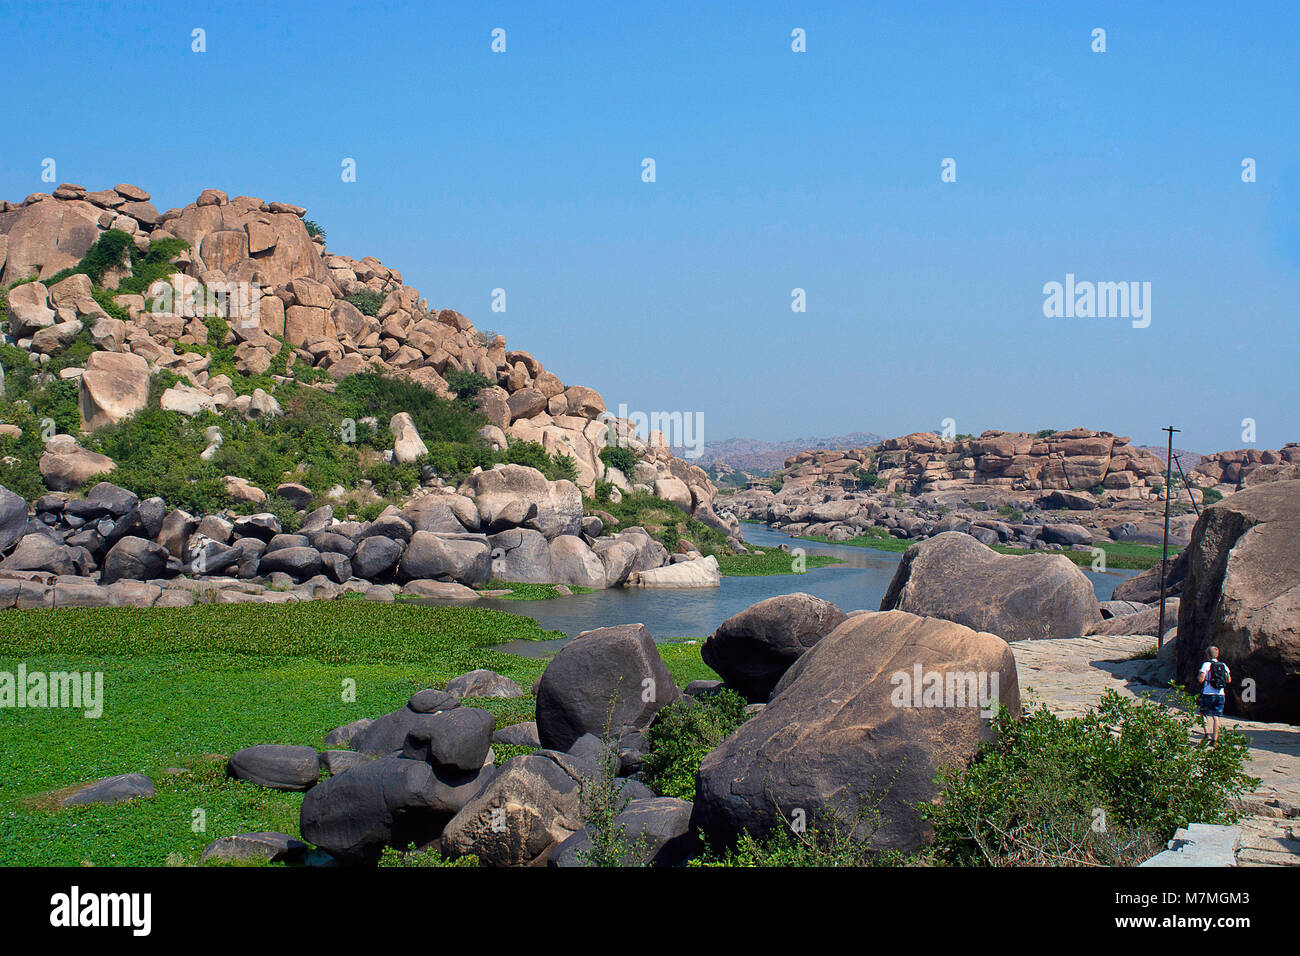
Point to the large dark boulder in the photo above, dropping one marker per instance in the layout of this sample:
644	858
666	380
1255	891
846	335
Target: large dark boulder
1017	597
13	518
276	766
456	739
40	552
1242	594
298	563
604	682
375	556
386	802
134	559
752	649
387	734
851	729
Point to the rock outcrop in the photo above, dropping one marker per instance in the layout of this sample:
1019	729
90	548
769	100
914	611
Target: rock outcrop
1242	594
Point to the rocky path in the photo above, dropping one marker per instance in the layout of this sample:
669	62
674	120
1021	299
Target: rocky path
1070	675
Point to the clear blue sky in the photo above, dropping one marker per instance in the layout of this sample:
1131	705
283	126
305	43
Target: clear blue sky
775	170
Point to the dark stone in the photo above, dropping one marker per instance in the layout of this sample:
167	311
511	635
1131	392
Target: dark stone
276	766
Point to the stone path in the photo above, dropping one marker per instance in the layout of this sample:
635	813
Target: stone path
1070	675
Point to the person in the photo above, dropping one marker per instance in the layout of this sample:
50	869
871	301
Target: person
1214	678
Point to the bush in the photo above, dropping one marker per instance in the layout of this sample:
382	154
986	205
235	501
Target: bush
465	382
617	456
1108	788
314	229
683	734
1211	495
367	300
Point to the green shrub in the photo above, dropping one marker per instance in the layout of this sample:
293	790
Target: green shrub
465	382
313	228
1110	787
1211	495
826	842
683	734
367	300
617	456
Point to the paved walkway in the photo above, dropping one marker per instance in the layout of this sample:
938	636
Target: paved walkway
1070	675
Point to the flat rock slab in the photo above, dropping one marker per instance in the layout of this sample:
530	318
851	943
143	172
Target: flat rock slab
1201	844
248	847
119	789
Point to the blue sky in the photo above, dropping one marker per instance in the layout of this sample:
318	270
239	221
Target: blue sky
775	170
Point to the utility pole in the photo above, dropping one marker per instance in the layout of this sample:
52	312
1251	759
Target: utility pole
1164	552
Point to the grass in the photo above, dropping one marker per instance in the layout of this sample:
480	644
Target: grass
1119	554
531	592
770	561
184	684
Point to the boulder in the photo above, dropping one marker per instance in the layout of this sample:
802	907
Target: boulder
114	386
521	555
13	518
464	560
531	805
276	766
655	831
856	725
483	683
299	563
65	465
376	556
28	310
389	801
605	682
574	563
696	573
118	789
455	739
133	558
511	495
249	847
1242	594
752	649
1018	597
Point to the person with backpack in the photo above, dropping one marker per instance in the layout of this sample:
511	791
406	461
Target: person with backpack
1214	678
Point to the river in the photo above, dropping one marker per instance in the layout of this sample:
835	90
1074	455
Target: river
860	582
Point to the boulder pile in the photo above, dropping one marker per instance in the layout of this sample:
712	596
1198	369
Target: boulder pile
838	744
509	523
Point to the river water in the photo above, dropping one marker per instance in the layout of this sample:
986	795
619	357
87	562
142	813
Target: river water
860	582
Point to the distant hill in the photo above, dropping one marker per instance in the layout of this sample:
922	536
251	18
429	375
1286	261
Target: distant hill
761	457
1190	459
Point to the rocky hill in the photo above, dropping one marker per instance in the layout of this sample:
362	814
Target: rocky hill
291	309
1078	459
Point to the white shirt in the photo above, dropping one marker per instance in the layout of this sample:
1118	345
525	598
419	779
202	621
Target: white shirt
1205	685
